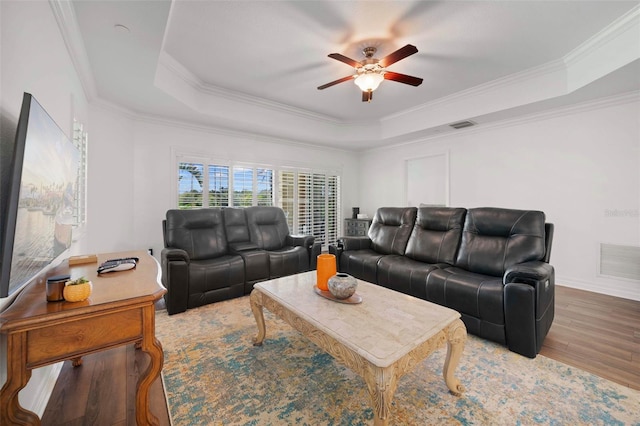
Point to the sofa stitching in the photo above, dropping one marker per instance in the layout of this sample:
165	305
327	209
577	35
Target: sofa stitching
478	298
506	246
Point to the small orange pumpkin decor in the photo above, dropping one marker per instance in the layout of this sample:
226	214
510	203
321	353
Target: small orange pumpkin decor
77	290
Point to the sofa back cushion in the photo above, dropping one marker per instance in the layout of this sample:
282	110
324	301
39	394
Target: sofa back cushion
495	239
235	224
390	229
199	232
268	227
436	235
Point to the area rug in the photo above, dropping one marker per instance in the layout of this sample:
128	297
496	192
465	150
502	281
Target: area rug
213	375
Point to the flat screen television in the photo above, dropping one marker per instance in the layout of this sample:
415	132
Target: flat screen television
40	209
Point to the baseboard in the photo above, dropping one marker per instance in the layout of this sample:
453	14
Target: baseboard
35	396
624	289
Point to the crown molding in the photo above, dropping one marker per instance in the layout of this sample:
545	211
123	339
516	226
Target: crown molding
586	106
65	17
161	120
482	89
179	70
582	107
151	119
624	23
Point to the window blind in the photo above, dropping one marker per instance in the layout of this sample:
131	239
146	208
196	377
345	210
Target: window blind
242	187
190	184
218	186
264	185
311	202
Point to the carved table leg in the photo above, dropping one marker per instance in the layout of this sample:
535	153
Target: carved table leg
256	307
151	346
381	383
456	337
76	362
11	413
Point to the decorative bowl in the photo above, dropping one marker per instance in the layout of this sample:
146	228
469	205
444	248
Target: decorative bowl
77	292
342	286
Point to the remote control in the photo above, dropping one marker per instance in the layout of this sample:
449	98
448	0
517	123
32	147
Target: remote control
115	265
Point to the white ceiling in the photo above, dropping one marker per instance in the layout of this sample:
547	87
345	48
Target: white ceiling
242	65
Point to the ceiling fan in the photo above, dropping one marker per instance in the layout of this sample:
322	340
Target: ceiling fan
371	71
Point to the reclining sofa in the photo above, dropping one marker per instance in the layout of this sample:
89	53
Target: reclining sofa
489	264
214	254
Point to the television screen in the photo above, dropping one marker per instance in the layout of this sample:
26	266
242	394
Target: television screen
41	205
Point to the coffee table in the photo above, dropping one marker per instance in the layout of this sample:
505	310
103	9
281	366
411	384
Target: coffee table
381	339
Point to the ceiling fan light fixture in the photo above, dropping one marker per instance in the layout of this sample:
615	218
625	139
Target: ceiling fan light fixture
369	81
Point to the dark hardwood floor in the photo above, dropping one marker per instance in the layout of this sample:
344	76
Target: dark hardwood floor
594	332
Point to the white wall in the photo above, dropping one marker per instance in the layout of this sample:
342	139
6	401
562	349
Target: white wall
577	165
110	182
34	59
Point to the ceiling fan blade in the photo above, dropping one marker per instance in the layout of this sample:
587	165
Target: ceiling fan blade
333	83
401	53
367	96
348	61
402	78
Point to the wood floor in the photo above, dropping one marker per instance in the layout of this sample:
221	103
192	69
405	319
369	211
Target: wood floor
594	332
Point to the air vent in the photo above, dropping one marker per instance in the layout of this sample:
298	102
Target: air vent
462	124
620	261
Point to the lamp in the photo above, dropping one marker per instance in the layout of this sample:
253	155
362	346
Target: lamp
369	81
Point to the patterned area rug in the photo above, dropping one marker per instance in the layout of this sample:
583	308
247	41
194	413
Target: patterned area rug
213	375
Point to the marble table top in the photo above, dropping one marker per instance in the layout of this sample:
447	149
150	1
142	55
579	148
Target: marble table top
382	329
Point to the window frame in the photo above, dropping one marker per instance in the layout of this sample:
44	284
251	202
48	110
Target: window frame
276	167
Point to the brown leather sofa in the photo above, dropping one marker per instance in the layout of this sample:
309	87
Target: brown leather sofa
489	264
215	254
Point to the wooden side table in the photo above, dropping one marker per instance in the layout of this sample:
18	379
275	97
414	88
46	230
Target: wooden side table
120	311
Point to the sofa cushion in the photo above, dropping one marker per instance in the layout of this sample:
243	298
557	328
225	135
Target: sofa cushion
235	224
198	232
362	264
288	261
479	298
495	239
216	279
390	229
436	234
405	275
268	227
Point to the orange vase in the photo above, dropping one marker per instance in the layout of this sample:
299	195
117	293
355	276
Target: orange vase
326	269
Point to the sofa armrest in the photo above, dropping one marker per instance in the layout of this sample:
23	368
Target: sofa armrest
307	241
355	243
300	240
316	249
175	278
336	250
529	299
531	273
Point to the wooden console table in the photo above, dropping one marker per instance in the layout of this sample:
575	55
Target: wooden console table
120	311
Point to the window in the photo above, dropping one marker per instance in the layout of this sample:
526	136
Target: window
242	187
310	200
80	141
219	186
250	186
264	187
190	184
